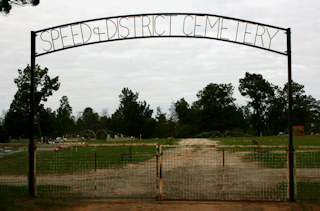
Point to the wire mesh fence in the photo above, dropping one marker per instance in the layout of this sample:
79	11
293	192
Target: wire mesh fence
13	170
98	171
190	172
308	173
256	173
224	173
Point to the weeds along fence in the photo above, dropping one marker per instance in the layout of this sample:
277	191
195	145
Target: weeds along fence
164	172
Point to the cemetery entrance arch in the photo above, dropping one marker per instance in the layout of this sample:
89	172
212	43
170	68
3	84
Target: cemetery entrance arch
159	25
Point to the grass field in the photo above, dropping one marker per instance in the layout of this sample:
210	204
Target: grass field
271	158
279	160
136	141
16	198
160	141
304	190
271	140
264	140
83	158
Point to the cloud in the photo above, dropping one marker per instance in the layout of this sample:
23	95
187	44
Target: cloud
161	70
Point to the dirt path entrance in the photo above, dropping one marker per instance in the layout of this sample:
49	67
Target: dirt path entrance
197	141
194	171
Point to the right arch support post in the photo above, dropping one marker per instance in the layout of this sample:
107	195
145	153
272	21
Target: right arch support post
291	185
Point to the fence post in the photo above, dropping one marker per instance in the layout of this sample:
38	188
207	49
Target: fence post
291	173
157	166
95	171
295	176
223	175
159	172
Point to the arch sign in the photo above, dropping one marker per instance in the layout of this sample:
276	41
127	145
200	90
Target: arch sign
108	29
160	25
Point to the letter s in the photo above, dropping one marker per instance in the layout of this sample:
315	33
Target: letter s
46	50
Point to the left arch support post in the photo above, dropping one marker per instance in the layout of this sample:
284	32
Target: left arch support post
32	166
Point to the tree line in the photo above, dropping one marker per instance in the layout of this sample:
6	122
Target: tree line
213	113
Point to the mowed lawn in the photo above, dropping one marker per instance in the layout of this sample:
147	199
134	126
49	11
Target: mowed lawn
277	157
271	140
83	158
87	158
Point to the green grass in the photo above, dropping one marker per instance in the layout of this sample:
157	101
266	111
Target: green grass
83	158
13	191
271	140
16	164
306	191
137	141
160	141
270	158
279	160
24	141
22	191
16	198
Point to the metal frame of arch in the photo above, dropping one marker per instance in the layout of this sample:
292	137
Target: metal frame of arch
157	25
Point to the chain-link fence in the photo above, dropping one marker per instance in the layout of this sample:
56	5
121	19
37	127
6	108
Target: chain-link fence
190	172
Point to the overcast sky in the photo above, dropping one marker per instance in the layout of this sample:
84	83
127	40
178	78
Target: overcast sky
161	70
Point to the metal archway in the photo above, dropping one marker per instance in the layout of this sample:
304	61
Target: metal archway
160	25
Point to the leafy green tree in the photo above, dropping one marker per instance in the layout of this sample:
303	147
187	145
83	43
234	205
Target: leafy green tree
44	87
47	119
6	5
160	117
16	119
132	117
217	109
276	114
183	111
16	124
305	108
104	120
316	119
186	119
89	120
64	109
4	136
161	129
64	120
2	117
259	90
